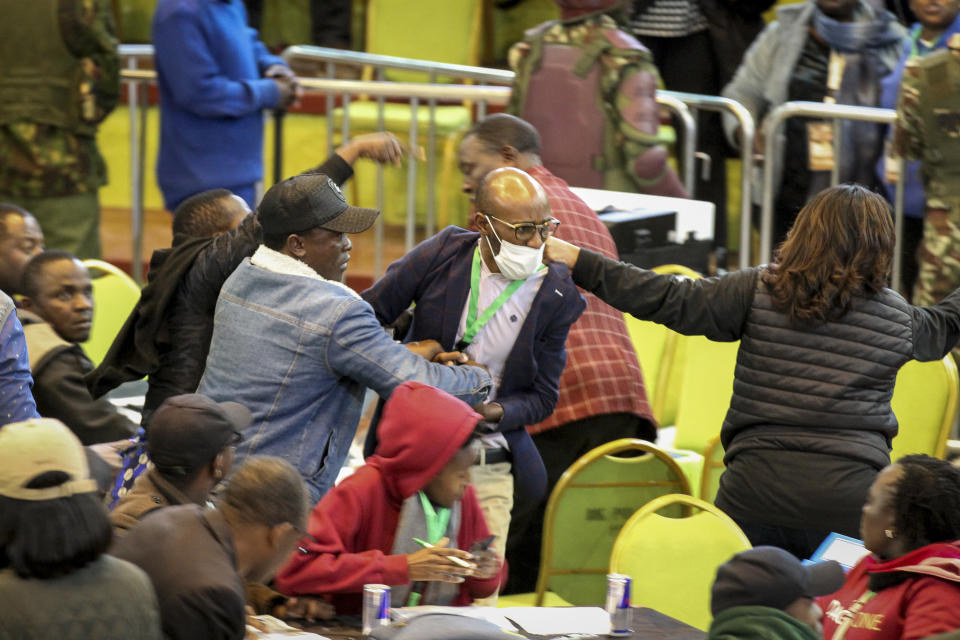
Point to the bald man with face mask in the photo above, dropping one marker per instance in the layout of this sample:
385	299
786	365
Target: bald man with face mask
489	295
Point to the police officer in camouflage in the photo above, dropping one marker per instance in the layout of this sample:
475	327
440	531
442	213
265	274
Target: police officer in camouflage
928	129
59	78
604	132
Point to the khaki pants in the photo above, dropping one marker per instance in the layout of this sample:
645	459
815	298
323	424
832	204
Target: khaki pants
493	484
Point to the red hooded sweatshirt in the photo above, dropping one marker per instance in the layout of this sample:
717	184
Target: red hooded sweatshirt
916	595
354	524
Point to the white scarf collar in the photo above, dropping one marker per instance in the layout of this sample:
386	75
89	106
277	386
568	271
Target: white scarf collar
267	258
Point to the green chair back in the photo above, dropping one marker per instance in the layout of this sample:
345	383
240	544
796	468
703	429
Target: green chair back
652	342
706	384
655	346
672	560
114	296
587	508
925	403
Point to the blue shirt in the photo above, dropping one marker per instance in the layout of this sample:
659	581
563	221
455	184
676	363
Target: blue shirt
209	66
299	352
16	399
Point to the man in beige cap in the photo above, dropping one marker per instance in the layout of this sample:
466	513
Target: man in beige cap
53	536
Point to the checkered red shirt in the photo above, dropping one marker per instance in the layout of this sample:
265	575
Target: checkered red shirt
602	374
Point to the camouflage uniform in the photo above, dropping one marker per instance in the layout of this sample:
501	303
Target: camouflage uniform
633	156
50	161
928	129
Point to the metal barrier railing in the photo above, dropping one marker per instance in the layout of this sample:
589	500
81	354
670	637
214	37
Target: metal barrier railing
722	105
481	95
835	112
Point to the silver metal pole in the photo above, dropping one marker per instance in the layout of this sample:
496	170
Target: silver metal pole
136	184
378	230
331	105
898	213
412	181
837	150
345	121
431	162
747	134
680	109
481	110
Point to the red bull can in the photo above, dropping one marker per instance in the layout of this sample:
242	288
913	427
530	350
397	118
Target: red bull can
618	604
376	607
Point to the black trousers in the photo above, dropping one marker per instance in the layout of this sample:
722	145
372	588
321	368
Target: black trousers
560	447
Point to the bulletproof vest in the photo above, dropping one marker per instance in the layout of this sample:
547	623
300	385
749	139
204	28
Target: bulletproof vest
558	90
39	78
938	83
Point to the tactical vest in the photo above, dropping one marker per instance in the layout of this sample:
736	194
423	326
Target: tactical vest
938	84
39	78
558	90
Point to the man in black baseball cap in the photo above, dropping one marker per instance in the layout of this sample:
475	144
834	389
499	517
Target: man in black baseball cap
299	348
307	218
766	592
190	446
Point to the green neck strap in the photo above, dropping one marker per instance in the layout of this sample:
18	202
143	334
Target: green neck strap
437	519
474	324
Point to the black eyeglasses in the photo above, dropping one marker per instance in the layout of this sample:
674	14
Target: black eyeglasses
525	230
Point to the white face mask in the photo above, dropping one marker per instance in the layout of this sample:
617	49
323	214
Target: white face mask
515	261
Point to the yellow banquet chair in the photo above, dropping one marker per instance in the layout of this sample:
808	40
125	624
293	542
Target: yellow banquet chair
586	511
706	385
925	403
655	346
114	296
673	560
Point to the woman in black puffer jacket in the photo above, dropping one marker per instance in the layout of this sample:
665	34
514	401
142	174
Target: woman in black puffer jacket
822	339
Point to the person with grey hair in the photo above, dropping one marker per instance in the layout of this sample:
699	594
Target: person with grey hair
199	559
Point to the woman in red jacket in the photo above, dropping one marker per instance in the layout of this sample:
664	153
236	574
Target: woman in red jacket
414	487
909	586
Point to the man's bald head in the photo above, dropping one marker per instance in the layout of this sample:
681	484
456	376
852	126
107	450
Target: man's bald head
512	195
513	214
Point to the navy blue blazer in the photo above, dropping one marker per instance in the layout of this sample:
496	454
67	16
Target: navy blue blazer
435	275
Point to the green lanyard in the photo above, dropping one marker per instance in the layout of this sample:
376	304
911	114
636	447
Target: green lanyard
437	519
474	324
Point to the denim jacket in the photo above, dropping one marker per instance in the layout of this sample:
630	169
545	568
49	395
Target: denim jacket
299	352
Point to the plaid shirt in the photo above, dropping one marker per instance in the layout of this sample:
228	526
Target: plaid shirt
602	374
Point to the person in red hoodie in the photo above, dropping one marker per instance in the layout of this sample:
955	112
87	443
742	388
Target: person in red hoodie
413	487
909	586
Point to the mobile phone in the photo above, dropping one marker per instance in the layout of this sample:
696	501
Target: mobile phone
482	545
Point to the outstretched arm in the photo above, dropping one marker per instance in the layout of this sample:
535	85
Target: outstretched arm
714	307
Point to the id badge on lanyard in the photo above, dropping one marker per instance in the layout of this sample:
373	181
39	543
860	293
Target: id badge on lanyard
820	133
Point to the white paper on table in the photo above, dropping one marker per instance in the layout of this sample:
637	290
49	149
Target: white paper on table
534	620
277	629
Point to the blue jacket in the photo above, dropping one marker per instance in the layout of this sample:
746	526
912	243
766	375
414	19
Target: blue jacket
300	352
914	199
16	398
436	276
210	69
